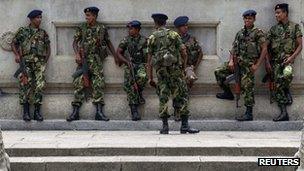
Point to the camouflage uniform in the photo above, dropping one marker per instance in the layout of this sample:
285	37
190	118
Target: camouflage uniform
193	49
165	46
93	40
136	49
246	47
33	43
282	39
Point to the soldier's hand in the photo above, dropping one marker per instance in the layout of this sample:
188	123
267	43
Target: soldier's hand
17	59
288	60
78	59
152	83
231	65
253	68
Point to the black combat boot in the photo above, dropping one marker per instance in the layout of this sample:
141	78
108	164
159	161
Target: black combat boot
100	116
288	95
37	114
186	128
283	115
26	112
74	115
141	98
227	94
247	116
177	117
165	129
134	113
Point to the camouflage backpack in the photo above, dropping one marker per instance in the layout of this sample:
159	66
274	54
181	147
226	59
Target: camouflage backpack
165	49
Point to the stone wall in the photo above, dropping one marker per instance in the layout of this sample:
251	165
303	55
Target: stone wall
213	22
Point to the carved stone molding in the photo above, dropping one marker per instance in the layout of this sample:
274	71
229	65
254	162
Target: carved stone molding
6	40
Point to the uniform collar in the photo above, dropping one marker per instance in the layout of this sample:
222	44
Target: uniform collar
249	29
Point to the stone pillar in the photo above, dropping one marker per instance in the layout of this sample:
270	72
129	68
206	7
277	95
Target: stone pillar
300	153
4	158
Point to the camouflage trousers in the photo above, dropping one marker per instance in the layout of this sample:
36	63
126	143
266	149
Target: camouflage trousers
33	90
283	81
171	82
141	80
97	85
247	81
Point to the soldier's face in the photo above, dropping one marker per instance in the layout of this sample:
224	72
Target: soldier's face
183	29
36	21
90	17
249	21
133	31
280	15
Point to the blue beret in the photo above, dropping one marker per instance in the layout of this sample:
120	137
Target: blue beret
93	10
159	16
249	13
134	23
281	6
180	21
34	13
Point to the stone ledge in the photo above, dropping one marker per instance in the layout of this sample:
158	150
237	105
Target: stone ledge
148	125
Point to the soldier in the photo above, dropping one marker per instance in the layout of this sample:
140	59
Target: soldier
165	48
90	46
132	52
31	46
250	48
285	44
194	52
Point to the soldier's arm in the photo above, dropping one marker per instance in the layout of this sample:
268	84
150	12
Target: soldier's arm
298	49
15	50
121	57
262	56
184	55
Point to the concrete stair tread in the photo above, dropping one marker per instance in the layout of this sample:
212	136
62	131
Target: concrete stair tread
77	159
145	125
149	143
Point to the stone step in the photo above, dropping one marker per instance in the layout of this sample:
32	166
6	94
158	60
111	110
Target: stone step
149	143
58	106
134	163
151	125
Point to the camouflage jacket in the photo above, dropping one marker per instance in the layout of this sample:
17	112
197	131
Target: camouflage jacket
135	48
282	39
33	42
247	43
93	39
164	45
193	48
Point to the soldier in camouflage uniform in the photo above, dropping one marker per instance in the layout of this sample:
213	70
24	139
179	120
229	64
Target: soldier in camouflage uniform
285	44
165	48
194	50
31	46
132	50
91	37
250	49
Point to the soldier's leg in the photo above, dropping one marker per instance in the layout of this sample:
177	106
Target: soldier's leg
39	72
79	97
287	79
25	84
180	95
247	87
220	75
132	94
283	77
142	79
98	86
163	92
